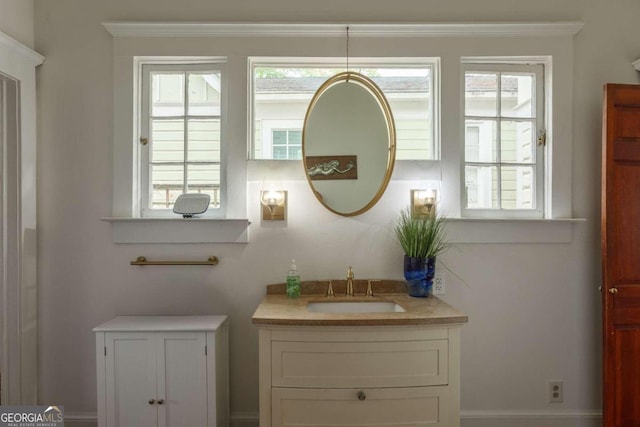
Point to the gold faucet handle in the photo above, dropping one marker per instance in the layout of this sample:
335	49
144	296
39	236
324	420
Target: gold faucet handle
369	289
330	290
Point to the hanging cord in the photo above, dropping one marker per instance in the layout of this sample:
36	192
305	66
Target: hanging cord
347	52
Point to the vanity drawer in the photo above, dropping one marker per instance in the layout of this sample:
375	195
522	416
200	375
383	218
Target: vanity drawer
359	364
417	406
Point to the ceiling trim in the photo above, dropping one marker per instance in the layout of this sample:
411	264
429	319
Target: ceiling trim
246	29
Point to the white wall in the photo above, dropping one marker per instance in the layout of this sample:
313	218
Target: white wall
16	20
534	309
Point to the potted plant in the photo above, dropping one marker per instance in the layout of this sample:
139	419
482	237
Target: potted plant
422	239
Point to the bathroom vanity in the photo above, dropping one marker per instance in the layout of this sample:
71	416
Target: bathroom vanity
387	359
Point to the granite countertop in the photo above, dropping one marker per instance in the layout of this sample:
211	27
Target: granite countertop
277	309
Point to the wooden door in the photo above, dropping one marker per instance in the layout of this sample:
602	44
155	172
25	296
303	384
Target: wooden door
621	255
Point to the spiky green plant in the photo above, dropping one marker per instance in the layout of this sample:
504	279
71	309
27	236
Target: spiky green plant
421	237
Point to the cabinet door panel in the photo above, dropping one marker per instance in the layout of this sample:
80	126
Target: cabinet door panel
359	364
130	380
414	406
182	379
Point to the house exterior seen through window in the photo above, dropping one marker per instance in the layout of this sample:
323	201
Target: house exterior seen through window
282	93
181	118
503	108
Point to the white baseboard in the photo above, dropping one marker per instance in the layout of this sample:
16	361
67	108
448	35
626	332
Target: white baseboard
467	419
530	418
245	419
80	420
238	419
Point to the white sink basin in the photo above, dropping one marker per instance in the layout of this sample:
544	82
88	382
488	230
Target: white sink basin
355	307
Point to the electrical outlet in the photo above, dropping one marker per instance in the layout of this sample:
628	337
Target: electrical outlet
555	391
438	284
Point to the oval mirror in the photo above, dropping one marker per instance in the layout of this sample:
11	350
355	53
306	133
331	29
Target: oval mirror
348	144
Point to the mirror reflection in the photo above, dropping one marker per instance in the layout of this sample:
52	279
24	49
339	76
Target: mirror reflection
348	144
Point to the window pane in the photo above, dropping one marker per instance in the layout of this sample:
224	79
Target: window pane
205	179
280	152
481	141
295	153
481	185
204	94
279	137
518	187
481	94
295	137
517	95
166	184
204	140
283	94
167	140
517	143
408	92
286	144
167	94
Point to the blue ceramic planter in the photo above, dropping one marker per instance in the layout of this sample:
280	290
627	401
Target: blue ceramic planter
419	272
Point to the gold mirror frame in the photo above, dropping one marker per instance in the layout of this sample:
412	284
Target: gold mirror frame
375	92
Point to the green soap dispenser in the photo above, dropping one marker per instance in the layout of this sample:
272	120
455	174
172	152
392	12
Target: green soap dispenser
293	281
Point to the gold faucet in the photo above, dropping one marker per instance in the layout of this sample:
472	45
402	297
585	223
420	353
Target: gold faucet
330	290
350	276
369	292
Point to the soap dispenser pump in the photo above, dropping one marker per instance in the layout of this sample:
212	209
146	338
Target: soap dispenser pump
293	281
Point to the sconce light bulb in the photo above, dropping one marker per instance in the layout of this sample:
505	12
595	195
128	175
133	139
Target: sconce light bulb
272	198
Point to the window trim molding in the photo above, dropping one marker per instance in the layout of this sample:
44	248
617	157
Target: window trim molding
245	29
178	230
555	39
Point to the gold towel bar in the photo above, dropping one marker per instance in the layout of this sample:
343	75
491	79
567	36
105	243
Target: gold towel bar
213	260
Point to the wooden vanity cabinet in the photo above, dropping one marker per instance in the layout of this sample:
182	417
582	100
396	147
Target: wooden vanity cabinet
166	371
342	376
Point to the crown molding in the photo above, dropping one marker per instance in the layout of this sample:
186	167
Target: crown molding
15	46
246	29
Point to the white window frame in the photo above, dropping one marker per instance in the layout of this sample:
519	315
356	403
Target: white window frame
537	42
541	127
269	126
145	69
354	64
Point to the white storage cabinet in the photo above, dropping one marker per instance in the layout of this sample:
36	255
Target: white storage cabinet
163	371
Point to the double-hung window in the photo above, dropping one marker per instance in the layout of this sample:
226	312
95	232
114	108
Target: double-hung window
504	140
181	123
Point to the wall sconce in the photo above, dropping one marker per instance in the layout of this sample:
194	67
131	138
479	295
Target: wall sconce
274	204
423	203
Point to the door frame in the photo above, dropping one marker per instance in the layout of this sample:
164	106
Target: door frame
18	287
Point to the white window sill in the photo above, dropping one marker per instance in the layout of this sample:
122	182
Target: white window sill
504	230
179	230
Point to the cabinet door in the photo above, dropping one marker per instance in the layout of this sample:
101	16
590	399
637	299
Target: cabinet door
182	379
380	407
130	379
